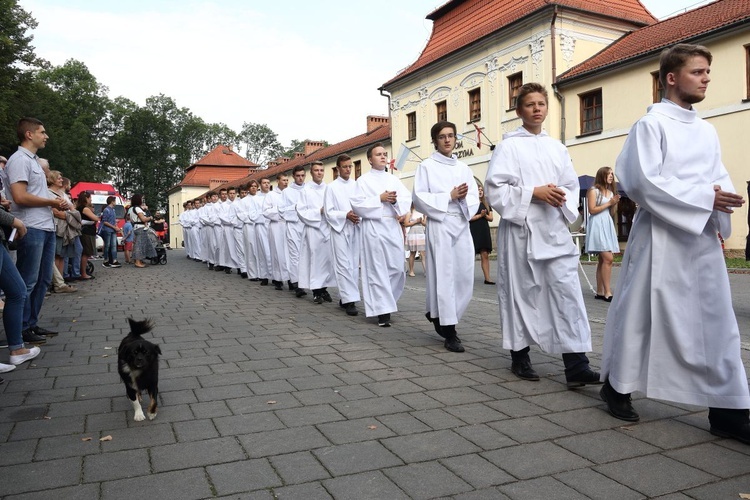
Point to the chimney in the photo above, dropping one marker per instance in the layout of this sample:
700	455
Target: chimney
299	155
374	122
312	146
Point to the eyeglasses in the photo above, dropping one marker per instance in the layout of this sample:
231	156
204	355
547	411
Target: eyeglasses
446	136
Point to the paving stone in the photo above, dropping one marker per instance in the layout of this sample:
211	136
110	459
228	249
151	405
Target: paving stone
724	489
475	413
195	454
371	407
263	444
352	431
477	471
318	396
77	492
437	419
458	396
47	427
309	491
484	436
544	487
188	484
655	475
367	485
241	406
309	415
271	387
403	424
713	459
210	409
17	452
429	446
224	392
443	382
295	468
484	494
529	429
584	420
517	408
393	387
246	475
419	401
116	465
145	435
356	457
427	480
668	434
195	430
390	374
606	446
36	476
71	445
548	459
595	485
70	408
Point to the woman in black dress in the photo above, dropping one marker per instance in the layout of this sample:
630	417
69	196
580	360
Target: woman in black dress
480	233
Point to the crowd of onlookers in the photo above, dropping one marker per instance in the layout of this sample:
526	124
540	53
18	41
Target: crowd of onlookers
48	242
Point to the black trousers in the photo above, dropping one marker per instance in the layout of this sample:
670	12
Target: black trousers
575	362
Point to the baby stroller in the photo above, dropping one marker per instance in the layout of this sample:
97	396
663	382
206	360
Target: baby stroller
161	251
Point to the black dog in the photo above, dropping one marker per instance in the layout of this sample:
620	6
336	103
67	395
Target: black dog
138	366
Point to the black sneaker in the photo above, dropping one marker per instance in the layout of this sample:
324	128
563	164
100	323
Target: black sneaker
43	331
326	296
300	292
384	320
106	264
318	299
264	282
115	264
29	337
351	309
243	275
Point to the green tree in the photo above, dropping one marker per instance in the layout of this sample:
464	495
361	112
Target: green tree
74	111
16	59
261	143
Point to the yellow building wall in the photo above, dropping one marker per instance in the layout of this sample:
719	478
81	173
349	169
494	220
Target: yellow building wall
627	93
486	65
176	199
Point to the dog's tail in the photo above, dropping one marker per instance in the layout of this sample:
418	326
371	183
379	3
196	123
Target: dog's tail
138	328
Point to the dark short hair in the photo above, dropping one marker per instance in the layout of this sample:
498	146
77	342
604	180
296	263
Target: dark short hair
341	159
282	174
371	148
222	190
27	125
435	130
297	169
110	199
253	182
232	188
530	88
675	57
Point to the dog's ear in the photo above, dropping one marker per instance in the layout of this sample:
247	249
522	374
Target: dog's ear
157	350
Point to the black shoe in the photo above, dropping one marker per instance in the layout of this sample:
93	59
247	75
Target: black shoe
318	299
599	297
292	286
730	423
115	264
43	331
619	405
487	282
351	309
278	285
227	270
243	275
342	305
299	292
453	345
210	267
587	376
106	264
219	268
29	337
435	323
326	296
384	320
264	282
523	369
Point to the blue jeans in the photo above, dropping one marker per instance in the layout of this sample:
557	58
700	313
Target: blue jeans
74	262
36	256
110	246
15	294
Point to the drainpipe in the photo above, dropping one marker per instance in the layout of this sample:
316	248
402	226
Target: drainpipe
560	97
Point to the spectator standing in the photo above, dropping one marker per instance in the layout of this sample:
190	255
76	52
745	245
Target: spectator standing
108	232
479	225
601	236
32	205
88	231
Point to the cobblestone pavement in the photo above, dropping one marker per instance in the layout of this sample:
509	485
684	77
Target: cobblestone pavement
264	395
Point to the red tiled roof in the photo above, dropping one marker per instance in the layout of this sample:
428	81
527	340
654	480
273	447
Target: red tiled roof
460	23
380	134
652	39
220	163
